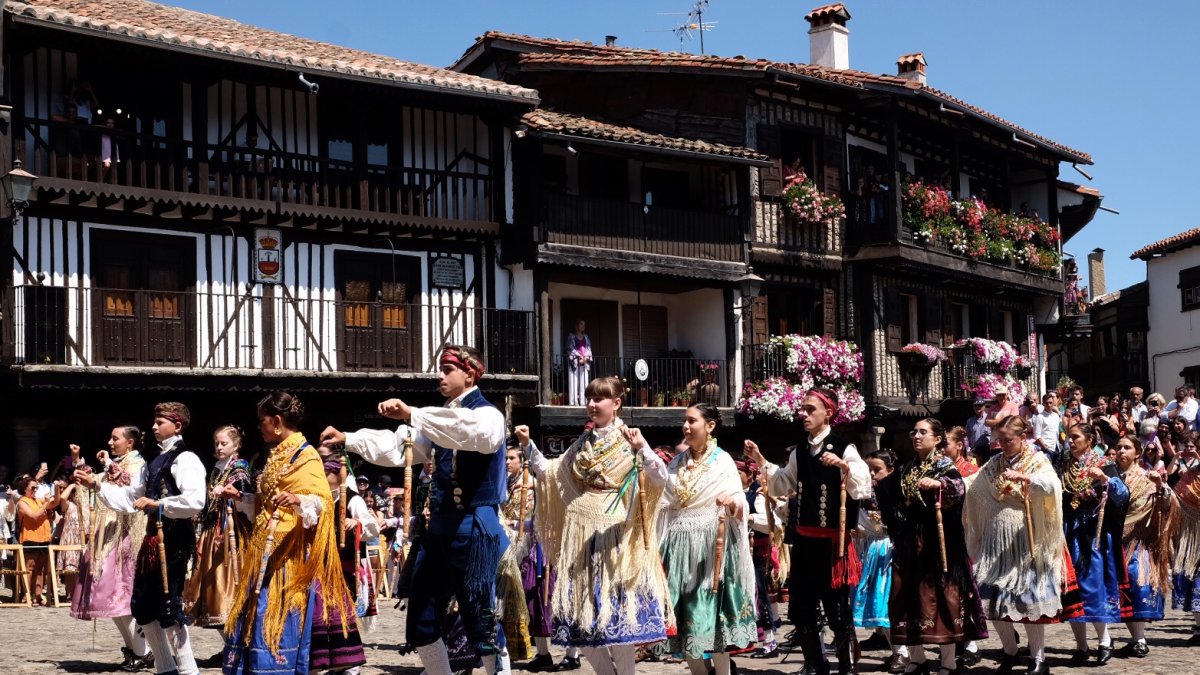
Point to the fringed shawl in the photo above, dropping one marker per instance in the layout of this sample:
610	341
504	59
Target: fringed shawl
301	556
1150	523
592	531
109	527
994	518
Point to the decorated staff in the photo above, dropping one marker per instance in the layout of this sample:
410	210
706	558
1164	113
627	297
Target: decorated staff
816	470
268	549
408	488
231	533
941	532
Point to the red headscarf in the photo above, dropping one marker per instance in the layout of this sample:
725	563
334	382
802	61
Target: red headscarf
459	358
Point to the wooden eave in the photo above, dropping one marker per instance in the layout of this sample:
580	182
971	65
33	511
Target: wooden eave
645	263
796	259
73	193
574	417
919	260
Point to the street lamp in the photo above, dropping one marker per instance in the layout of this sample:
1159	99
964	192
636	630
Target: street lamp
18	184
749	284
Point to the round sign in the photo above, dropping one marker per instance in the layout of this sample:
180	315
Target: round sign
641	369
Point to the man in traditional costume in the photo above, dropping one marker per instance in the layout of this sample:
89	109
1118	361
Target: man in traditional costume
109	557
821	573
461	549
171	491
597	510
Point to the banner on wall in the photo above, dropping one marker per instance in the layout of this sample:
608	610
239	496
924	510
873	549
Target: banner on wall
268	254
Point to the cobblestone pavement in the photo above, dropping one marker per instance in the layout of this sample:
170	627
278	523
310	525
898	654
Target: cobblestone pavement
45	640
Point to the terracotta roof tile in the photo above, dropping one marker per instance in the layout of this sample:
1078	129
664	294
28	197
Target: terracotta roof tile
915	57
574	53
583	127
1170	244
174	26
836	9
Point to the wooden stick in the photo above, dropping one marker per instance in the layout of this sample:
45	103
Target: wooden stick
941	532
1100	521
408	487
719	558
841	549
524	497
162	553
1029	524
641	475
267	549
231	535
342	476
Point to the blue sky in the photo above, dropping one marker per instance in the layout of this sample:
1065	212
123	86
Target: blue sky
1099	76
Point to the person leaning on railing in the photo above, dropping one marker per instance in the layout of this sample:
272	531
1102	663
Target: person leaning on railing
35	531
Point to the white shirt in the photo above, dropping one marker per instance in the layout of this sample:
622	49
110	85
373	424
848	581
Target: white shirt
758	519
1187	411
480	430
858	479
357	509
189	475
1045	429
1139	412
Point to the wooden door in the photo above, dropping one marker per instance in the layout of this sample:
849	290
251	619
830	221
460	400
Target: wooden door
378	319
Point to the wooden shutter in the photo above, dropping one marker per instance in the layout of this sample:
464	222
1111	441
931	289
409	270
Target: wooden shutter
770	143
950	320
760	330
996	326
653	341
834	151
895	315
979	321
829	312
933	320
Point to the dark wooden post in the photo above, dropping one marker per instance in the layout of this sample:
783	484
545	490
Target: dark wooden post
547	350
895	209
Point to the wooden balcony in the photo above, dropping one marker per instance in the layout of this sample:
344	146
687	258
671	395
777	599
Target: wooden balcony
71	157
256	331
672	381
780	239
612	225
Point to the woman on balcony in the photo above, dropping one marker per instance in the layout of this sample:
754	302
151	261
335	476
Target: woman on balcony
225	526
934	599
579	354
597	506
1094	501
706	548
1149	526
1014	535
106	570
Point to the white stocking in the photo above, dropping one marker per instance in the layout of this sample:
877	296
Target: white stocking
721	663
134	640
1102	633
1008	636
948	651
1036	632
435	658
1079	630
624	658
916	653
572	651
184	658
164	661
599	658
1137	629
543	645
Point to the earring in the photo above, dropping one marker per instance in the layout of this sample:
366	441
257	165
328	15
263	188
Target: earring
278	431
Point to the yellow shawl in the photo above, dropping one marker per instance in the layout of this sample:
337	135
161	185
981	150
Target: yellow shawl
1150	524
301	556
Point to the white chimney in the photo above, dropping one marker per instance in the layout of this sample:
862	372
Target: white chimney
828	37
912	67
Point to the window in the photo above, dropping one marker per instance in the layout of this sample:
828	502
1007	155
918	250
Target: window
668	188
1189	289
653	331
958	322
910	331
603	176
378	328
904	320
1006	324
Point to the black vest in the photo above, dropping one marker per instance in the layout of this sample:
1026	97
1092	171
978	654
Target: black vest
819	487
751	498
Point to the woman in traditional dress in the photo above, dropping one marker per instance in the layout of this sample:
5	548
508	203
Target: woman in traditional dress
1020	572
106	571
293	549
1149	525
1185	567
706	548
869	602
1093	506
933	598
225	526
75	508
599	531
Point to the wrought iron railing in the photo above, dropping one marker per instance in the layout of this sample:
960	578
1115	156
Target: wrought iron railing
671	381
258	329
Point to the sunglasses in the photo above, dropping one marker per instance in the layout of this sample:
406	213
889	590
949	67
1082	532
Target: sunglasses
919	432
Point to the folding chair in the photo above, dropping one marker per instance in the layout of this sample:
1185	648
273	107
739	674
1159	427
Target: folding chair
21	572
55	549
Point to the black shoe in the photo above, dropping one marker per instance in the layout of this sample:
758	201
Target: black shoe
1079	657
1141	650
766	652
921	668
146	662
569	663
1104	655
128	661
1007	663
1195	638
539	664
967	659
876	642
896	664
1038	668
948	671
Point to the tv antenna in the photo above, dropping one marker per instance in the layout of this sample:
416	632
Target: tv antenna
694	23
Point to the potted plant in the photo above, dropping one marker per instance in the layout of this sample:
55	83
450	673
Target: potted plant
675	398
660	399
556	398
920	355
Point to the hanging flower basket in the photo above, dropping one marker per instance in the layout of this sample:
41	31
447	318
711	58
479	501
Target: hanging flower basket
810	361
807	204
921	355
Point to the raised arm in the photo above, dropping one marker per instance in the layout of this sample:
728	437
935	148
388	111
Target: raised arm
382	447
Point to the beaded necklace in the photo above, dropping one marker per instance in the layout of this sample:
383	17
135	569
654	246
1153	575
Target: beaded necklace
598	455
1020	461
909	482
691	470
1076	481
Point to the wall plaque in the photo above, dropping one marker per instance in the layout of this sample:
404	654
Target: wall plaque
447	273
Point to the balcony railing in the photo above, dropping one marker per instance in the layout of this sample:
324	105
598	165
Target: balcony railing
146	161
214	331
775	230
611	224
671	381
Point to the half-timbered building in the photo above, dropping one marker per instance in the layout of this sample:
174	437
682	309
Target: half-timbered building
874	277
221	210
